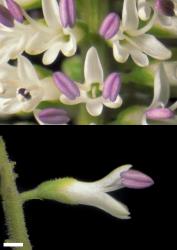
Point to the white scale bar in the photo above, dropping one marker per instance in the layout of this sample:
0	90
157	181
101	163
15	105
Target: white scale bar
13	244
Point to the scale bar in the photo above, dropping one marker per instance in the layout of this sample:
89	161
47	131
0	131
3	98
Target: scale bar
13	245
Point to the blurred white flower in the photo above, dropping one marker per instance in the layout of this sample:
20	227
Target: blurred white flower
133	41
159	110
51	37
21	90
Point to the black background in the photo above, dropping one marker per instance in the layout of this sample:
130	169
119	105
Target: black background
89	153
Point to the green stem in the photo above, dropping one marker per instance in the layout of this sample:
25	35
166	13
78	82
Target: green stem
12	205
29	195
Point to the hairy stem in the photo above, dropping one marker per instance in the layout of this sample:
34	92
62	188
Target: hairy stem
12	204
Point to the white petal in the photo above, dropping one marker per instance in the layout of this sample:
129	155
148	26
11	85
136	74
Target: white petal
144	10
112	181
51	13
109	205
161	88
93	70
138	57
85	194
120	53
51	92
113	105
171	71
130	19
94	107
26	71
51	54
152	47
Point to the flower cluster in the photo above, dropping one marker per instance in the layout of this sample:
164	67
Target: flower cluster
132	31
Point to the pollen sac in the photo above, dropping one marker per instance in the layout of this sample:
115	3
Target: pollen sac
15	10
110	26
159	114
67	13
6	17
112	87
53	116
165	7
66	85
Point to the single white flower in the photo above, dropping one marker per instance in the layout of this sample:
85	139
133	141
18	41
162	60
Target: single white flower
21	90
94	91
133	41
51	37
72	191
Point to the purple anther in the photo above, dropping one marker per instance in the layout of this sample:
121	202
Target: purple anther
6	17
135	179
112	87
110	26
15	10
165	7
67	13
53	116
66	85
159	114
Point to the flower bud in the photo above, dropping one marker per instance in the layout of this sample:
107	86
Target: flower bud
67	13
110	26
66	85
112	87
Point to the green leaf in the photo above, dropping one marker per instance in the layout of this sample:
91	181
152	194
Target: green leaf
72	67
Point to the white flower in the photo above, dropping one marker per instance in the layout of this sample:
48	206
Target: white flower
159	110
21	89
51	37
132	40
93	89
72	191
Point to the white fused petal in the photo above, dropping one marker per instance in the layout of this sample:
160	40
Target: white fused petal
94	107
112	182
69	48
51	54
152	47
130	19
26	71
85	194
110	205
120	53
138	57
161	88
113	105
51	13
93	70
